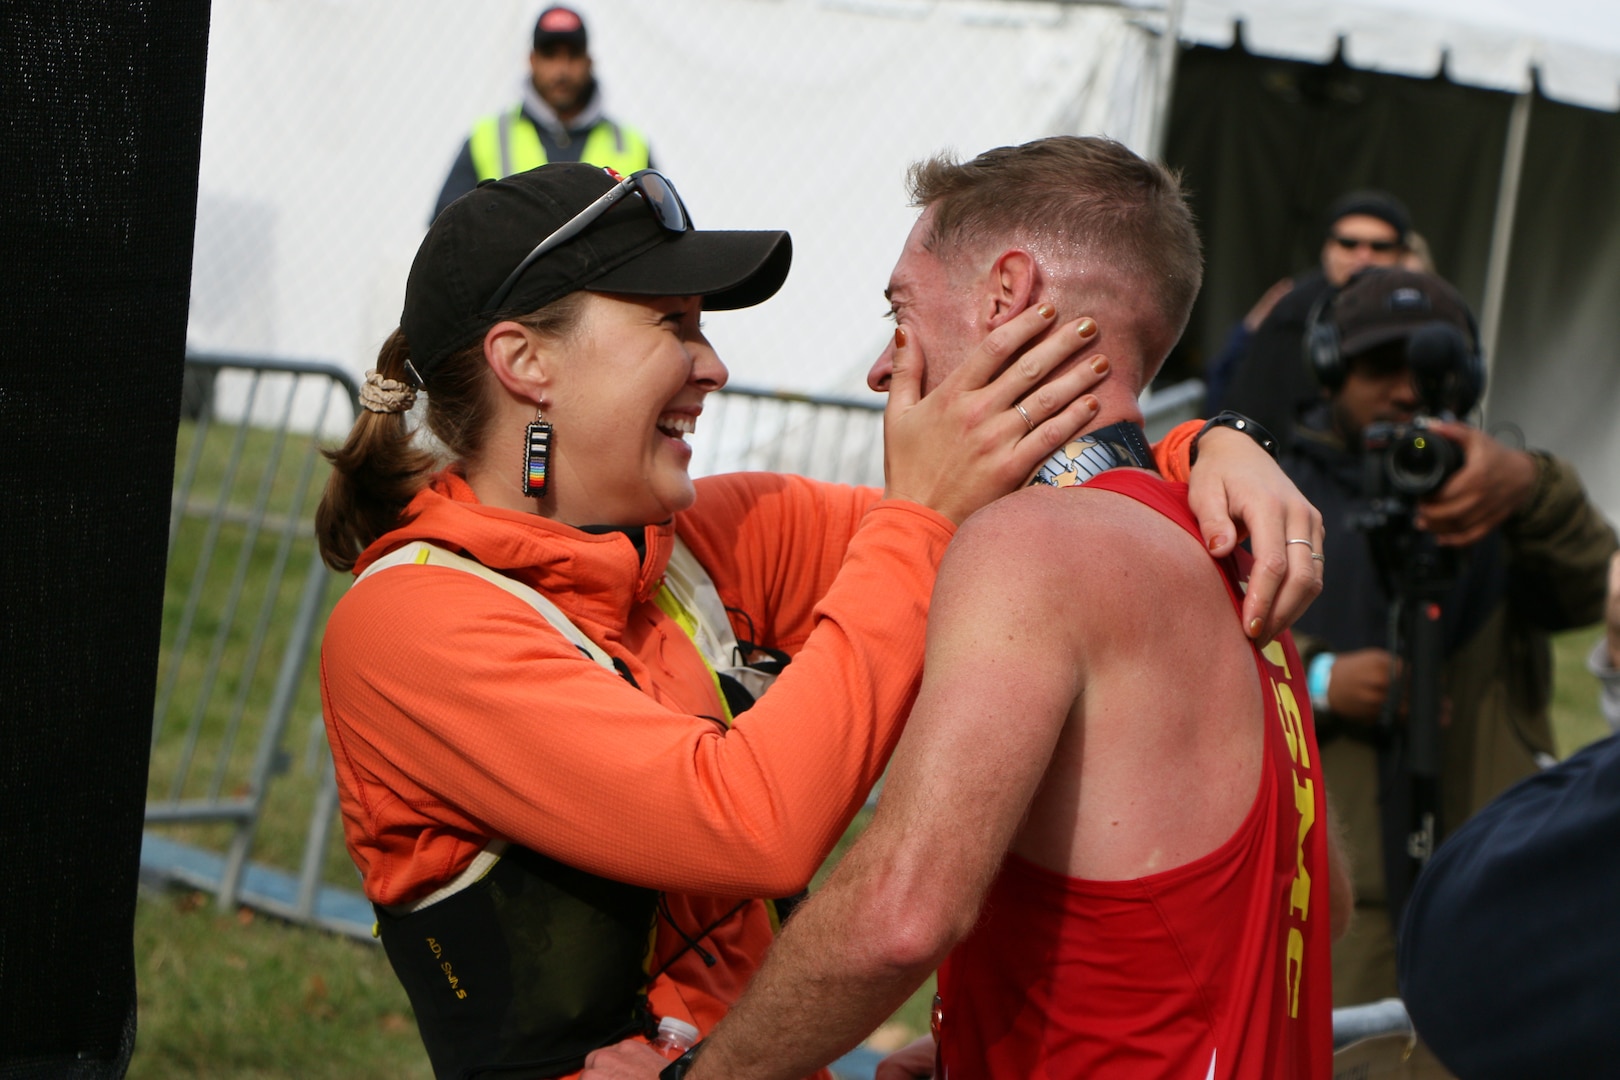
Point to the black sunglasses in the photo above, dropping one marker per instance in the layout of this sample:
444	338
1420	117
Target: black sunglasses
656	192
1350	243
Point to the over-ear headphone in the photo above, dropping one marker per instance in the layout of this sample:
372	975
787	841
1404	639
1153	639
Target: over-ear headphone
1449	367
1321	343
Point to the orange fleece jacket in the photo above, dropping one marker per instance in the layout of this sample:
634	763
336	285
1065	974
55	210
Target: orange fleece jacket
456	714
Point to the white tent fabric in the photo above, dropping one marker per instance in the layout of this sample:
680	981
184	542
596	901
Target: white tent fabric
1571	46
329	127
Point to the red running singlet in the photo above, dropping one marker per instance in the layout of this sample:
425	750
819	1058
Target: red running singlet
1216	969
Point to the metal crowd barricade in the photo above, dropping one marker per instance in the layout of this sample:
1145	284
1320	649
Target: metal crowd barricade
829	438
245	597
1372	1040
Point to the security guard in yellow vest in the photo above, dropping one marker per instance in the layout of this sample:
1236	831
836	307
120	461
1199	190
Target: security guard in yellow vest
559	118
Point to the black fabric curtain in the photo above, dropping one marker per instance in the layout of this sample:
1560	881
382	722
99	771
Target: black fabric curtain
98	194
1266	145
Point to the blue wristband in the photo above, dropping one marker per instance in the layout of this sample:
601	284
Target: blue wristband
1317	678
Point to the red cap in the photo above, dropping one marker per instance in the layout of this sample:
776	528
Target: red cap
559	25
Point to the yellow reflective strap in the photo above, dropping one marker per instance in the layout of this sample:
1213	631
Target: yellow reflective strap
671	606
484	143
523	148
503	144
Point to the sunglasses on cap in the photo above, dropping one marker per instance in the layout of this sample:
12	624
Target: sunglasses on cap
1350	243
656	192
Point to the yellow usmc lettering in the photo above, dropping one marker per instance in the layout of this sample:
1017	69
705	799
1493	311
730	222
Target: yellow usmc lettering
1299	892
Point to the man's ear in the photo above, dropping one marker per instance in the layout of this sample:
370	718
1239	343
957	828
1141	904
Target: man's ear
1013	284
518	358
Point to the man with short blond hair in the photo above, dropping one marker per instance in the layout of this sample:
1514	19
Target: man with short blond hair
1106	807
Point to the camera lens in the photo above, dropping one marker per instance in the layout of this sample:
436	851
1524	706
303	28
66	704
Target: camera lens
1419	462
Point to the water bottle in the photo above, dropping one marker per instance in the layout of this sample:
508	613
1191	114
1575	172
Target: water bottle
675	1037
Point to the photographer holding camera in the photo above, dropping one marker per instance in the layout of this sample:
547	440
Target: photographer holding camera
1452	558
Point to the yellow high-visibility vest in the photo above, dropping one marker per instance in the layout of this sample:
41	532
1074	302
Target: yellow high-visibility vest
508	143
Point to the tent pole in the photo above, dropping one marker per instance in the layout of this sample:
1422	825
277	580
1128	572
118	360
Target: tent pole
1169	50
1507	203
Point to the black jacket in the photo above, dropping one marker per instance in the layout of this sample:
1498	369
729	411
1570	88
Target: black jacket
1271	382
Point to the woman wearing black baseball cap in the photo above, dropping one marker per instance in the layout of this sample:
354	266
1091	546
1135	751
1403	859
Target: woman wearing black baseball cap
534	691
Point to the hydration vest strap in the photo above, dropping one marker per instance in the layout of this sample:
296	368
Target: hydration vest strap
710	629
422	553
482	864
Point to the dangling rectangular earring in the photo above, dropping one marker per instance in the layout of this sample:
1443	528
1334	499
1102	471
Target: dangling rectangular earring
536	456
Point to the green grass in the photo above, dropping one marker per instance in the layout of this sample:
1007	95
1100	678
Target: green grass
250	997
1575	716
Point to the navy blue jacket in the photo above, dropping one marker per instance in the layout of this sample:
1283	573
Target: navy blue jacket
1509	953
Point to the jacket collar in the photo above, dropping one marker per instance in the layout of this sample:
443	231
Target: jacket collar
594	576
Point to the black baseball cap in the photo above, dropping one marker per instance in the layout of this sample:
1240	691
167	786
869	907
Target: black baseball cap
478	240
558	25
1385	304
1379	204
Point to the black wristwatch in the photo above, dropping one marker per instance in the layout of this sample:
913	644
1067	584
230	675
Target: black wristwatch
1237	422
678	1068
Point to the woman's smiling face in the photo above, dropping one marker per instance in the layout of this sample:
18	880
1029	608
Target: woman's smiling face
628	387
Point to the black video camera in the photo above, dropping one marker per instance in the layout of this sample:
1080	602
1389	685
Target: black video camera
1408	461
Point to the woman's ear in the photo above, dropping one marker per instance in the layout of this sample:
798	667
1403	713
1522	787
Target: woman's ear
519	358
1013	284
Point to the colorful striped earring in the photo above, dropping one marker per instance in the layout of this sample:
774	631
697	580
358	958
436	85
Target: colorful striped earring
536	456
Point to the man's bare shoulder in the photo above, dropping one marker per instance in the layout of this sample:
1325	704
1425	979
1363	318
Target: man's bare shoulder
1049	531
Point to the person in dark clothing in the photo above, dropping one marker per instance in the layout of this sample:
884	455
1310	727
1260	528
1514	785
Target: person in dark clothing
1482	907
1268	381
1530	554
559	117
1218	372
1509	960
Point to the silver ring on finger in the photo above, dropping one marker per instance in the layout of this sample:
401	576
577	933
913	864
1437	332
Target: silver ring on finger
1019	406
1307	543
1318	556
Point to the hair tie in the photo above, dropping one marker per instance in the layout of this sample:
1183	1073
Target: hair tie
380	395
